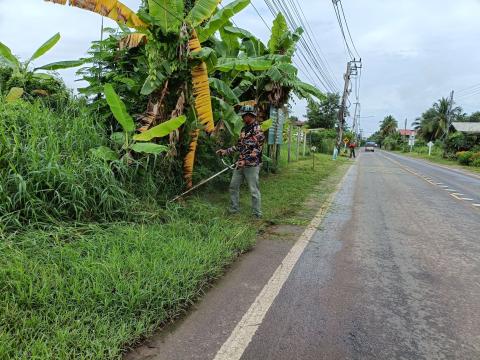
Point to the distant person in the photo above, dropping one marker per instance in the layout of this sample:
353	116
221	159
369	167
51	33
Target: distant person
248	165
352	147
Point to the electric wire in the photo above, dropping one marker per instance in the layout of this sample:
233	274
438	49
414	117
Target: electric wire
277	8
305	68
318	47
303	22
283	7
340	23
348	31
303	48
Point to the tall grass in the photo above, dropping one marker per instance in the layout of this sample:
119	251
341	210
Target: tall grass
46	171
88	293
91	291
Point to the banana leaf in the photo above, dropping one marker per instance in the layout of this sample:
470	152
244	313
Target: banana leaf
221	18
161	130
149	148
47	45
167	14
117	106
201	11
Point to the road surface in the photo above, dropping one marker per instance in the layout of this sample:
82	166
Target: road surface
393	272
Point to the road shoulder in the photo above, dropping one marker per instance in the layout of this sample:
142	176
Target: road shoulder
466	170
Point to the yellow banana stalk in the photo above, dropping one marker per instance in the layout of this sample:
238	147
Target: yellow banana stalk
201	88
190	158
113	9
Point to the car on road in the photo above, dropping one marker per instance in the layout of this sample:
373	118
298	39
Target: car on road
370	146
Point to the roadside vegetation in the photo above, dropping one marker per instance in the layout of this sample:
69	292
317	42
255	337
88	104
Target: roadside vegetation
92	290
449	146
93	255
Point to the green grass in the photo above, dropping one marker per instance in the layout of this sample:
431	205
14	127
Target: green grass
437	158
46	171
92	291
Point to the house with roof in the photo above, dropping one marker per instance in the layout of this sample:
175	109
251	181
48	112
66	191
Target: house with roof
407	132
467	127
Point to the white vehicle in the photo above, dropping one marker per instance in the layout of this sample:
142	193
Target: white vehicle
370	146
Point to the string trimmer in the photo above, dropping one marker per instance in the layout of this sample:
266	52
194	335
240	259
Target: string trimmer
203	182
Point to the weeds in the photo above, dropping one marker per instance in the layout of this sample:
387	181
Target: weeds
89	291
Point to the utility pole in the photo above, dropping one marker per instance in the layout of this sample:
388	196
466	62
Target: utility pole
341	111
352	69
449	114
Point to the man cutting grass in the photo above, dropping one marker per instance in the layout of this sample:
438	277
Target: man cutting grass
249	161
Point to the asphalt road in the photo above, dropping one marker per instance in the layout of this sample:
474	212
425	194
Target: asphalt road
393	272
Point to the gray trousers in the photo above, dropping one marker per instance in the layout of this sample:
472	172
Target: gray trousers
251	175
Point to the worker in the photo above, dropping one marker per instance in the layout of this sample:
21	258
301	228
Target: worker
249	147
352	147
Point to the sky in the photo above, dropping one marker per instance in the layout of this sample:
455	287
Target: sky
413	52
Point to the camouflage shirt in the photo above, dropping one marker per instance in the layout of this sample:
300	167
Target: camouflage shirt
249	146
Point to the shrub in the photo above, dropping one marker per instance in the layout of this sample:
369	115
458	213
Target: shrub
324	140
391	143
476	162
464	157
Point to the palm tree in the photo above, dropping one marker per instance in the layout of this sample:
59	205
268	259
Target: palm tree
434	123
388	126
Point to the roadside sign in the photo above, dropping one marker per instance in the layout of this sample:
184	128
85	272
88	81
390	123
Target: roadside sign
346	140
411	142
430	145
275	133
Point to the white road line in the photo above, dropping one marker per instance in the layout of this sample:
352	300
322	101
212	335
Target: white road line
243	333
476	205
451	190
444	186
458	194
466	199
439	183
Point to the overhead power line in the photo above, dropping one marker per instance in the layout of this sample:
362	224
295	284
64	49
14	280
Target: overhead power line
342	20
306	50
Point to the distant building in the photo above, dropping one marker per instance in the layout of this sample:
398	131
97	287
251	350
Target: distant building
467	127
407	132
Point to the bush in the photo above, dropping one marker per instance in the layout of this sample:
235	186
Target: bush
476	162
464	157
324	140
391	143
455	142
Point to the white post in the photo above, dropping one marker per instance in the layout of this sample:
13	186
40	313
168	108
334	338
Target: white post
304	142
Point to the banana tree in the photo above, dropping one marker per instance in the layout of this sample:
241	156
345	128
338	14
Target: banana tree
140	143
263	73
22	75
177	70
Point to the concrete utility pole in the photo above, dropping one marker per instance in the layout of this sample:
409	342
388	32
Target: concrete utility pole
449	114
352	69
341	111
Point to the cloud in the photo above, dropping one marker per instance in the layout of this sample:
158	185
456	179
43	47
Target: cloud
414	52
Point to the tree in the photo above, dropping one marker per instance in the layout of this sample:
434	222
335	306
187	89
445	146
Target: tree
20	79
388	126
324	114
474	117
434	122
